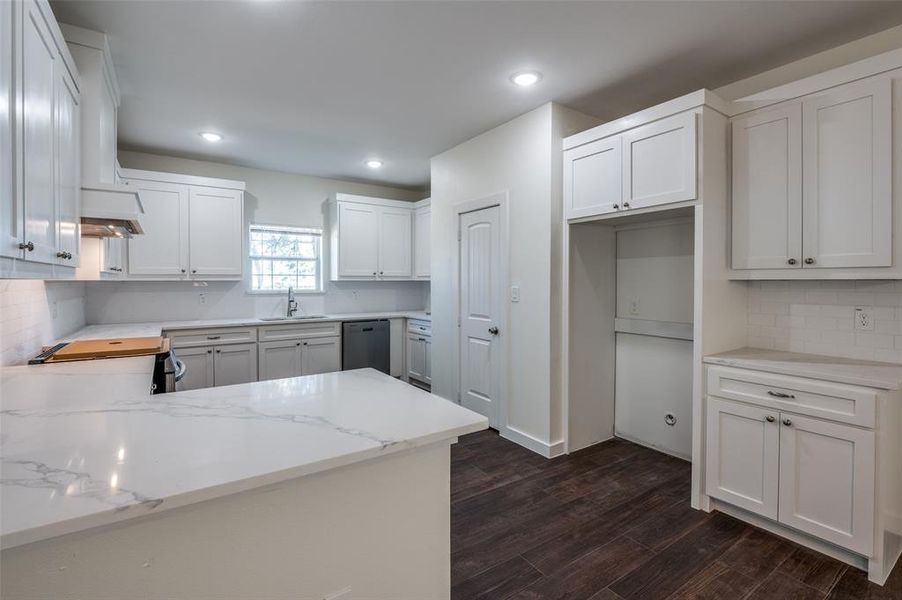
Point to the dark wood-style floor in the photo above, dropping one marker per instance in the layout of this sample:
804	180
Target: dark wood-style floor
613	522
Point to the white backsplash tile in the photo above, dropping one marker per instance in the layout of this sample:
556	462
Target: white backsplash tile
818	317
34	313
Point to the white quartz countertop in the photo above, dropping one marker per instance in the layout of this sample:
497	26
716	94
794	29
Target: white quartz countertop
155	328
84	444
887	376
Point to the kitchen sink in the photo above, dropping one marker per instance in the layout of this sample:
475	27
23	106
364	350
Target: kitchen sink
299	318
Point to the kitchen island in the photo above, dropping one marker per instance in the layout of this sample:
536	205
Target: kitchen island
333	485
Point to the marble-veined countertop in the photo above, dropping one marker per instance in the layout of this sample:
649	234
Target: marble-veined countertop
84	444
886	376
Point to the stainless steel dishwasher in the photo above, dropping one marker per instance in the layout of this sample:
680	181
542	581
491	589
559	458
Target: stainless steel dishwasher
366	344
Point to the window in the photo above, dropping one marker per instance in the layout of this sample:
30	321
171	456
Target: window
284	257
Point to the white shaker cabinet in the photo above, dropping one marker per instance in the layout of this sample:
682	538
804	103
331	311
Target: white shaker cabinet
11	207
67	172
198	368
743	454
592	182
370	238
358	241
659	162
847	187
320	355
827	481
215	228
40	72
422	242
163	248
234	363
767	189
112	258
293	358
395	231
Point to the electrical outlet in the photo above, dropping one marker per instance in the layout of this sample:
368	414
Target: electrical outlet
864	318
202	298
634	305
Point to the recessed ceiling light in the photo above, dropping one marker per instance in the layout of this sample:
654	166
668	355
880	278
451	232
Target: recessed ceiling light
210	136
374	163
526	78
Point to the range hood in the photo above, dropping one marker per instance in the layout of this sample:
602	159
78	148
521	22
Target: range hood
110	210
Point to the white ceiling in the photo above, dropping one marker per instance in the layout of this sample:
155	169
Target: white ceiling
318	87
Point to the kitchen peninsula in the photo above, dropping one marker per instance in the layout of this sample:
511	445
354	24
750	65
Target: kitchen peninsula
325	486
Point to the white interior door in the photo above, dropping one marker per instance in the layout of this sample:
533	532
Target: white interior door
480	311
743	456
767	189
847	185
827	481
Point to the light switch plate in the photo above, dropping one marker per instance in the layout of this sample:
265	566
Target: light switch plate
515	293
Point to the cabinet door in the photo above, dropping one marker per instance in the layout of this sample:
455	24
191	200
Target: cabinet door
163	248
322	355
592	178
198	368
416	357
11	222
743	445
847	185
427	362
659	162
279	360
38	188
216	227
422	235
111	259
767	189
394	242
358	240
67	126
827	481
234	363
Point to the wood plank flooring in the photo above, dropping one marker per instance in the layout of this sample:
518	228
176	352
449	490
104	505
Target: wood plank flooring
613	522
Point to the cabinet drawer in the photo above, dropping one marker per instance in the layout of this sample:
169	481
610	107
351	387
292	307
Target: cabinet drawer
207	337
299	330
419	327
833	401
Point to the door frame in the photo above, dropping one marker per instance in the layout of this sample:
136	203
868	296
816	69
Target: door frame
501	200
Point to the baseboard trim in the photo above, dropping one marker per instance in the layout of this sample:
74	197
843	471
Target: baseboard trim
532	443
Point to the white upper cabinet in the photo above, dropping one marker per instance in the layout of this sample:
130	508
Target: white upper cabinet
215	227
358	240
68	170
11	205
847	188
592	184
395	231
625	169
659	162
370	238
190	229
767	189
38	80
422	242
163	248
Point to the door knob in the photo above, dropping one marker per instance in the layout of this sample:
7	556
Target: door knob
493	330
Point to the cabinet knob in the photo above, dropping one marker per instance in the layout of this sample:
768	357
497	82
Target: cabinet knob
787	422
209	352
27	246
61	255
616	207
194	270
792	261
298	344
769	418
626	205
183	270
809	261
493	330
374	273
218	351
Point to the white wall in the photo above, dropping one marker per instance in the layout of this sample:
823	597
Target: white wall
271	198
523	158
34	313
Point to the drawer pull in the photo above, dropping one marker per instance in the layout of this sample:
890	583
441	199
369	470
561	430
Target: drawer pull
780	394
213	337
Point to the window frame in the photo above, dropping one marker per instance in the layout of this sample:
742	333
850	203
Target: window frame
319	261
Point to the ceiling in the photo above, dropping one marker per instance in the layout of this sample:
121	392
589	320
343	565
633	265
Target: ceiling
320	87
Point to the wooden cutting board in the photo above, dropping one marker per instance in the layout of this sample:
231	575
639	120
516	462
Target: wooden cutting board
111	348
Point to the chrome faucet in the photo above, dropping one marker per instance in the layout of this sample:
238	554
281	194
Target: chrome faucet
292	303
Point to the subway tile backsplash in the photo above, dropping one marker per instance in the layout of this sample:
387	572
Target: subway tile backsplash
34	313
818	317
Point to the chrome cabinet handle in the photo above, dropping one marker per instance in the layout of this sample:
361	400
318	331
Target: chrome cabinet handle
770	418
27	246
493	330
792	261
779	394
787	422
809	261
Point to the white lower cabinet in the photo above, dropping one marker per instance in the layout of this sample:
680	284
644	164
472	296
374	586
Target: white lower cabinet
293	358
198	368
419	351
814	475
208	366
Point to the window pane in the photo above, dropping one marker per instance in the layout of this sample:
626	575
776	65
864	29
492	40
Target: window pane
283	257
